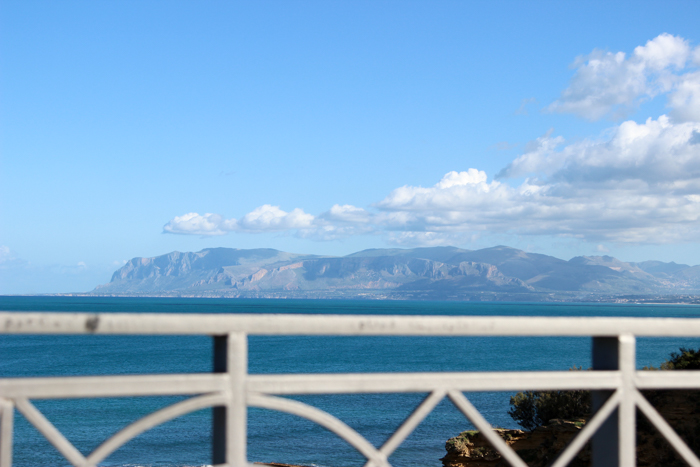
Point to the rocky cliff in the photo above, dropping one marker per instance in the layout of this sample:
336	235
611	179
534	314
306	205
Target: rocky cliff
541	446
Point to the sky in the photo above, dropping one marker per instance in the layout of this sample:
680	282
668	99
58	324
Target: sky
133	129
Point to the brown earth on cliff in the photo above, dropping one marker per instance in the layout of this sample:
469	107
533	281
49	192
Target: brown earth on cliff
541	446
538	447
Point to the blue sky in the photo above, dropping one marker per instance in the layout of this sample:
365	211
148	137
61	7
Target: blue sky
138	128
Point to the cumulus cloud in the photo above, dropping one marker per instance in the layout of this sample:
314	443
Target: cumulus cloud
198	224
613	84
269	218
656	152
347	213
470	177
454	189
537	157
266	218
662	52
636	182
684	101
640	184
340	221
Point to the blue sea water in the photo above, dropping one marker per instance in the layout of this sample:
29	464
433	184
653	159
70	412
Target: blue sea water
275	437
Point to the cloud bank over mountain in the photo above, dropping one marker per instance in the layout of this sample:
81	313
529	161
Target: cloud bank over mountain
636	182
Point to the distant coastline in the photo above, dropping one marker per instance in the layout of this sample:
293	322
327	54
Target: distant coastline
632	300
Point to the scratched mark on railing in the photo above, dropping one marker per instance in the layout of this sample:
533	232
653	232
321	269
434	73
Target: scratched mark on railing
234	389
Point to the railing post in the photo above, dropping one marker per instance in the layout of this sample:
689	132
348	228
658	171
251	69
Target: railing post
614	442
237	422
6	419
628	425
219	413
229	423
605	442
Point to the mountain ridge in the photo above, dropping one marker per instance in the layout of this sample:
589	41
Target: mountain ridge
436	273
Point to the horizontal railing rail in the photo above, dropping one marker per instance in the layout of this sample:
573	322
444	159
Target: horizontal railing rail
339	325
230	389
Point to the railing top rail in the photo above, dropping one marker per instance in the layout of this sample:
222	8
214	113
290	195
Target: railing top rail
349	325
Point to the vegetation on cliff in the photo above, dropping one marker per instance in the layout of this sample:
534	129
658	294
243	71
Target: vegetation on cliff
531	409
552	418
685	359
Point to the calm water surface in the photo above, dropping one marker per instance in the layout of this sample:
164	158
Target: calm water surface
275	437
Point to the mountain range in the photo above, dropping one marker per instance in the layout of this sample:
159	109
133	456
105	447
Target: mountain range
436	273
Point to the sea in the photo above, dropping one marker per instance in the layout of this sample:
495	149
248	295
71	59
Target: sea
277	437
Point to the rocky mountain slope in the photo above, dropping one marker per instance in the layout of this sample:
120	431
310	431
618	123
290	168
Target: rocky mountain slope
422	273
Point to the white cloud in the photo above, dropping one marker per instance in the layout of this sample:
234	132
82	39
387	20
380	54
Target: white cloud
640	184
654	152
636	183
454	188
537	157
196	224
346	213
612	84
268	218
633	183
339	221
684	100
662	52
470	177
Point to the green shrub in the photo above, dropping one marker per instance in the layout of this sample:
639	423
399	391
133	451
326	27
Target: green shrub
687	359
531	409
536	408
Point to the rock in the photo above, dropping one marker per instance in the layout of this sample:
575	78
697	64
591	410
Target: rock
541	446
537	447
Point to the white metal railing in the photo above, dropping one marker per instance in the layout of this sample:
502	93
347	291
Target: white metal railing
229	390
